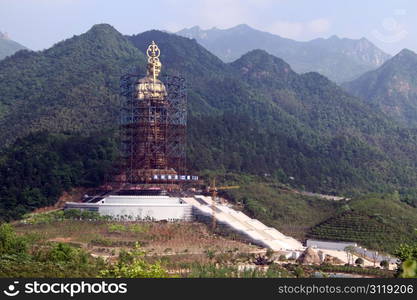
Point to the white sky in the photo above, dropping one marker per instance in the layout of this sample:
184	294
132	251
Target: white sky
391	25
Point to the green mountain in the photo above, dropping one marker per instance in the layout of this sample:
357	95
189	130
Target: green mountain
72	86
340	59
7	46
254	115
392	87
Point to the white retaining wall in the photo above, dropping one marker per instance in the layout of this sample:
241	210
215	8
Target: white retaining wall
139	207
329	245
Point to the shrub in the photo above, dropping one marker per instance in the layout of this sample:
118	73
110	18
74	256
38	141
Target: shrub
116	228
384	264
408	257
409	269
10	243
359	261
138	228
132	265
299	272
282	257
102	242
269	252
210	253
62	253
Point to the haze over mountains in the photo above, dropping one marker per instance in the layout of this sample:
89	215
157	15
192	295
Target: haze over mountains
392	87
339	59
8	46
255	115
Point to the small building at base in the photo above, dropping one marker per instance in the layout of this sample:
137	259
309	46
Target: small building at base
138	207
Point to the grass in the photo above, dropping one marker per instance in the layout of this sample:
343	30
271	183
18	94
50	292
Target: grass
154	237
183	249
176	245
293	214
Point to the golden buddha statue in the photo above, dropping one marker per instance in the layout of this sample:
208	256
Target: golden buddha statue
150	87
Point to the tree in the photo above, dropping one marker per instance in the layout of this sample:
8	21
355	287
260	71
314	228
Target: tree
374	255
359	261
10	243
409	269
282	257
407	254
384	264
299	272
62	253
350	250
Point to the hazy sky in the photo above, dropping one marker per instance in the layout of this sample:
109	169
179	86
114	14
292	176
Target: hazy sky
390	24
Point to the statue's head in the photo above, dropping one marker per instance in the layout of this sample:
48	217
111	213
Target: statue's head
154	65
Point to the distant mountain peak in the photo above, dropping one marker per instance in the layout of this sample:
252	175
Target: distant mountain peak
405	59
242	26
100	42
7	46
103	27
392	87
260	65
260	55
407	53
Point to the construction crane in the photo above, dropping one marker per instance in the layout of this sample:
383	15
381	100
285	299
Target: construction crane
213	190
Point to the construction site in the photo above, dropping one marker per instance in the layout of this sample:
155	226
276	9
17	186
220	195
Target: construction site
152	182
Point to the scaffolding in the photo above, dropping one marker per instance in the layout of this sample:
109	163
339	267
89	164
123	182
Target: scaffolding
153	131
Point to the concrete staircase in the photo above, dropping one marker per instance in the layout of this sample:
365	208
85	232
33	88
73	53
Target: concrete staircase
254	230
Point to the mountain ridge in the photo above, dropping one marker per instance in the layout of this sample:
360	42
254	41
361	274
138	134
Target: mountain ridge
340	59
392	87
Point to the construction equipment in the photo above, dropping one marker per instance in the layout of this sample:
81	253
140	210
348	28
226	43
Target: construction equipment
213	190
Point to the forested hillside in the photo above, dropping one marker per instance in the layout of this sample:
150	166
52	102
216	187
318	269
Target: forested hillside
37	169
392	88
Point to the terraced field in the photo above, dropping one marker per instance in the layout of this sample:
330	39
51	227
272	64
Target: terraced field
373	231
